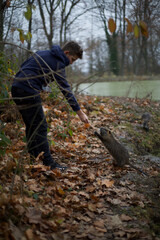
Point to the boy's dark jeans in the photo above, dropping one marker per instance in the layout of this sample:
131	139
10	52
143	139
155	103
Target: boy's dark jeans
33	116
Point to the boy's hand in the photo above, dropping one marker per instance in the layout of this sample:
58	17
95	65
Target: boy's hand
83	117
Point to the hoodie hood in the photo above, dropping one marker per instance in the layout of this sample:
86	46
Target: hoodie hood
57	52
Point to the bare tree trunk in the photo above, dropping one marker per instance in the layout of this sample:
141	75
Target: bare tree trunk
113	53
65	14
111	40
123	39
133	47
50	8
30	3
144	40
2	6
66	7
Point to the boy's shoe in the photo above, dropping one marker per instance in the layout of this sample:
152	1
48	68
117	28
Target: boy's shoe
58	166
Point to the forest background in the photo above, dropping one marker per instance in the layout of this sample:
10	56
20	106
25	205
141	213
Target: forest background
126	50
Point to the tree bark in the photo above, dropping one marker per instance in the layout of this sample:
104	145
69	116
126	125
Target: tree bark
65	14
111	40
51	7
113	53
30	3
2	6
123	39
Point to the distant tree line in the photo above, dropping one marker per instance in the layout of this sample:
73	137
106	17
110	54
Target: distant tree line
37	24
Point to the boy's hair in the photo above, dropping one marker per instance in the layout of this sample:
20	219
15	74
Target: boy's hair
74	49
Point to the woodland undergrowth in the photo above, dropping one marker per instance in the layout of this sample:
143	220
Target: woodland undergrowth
92	199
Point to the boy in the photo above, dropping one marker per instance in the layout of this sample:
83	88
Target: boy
34	74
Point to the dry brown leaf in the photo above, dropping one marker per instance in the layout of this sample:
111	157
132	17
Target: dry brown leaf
115	220
125	218
96	151
29	234
69	183
15	232
129	26
104	230
94	198
60	210
3	199
75	199
86	125
90	188
107	182
90	174
115	201
119	234
20	209
33	215
111	25
84	194
82	236
92	207
99	223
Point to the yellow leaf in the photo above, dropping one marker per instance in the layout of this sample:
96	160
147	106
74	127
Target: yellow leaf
129	26
136	31
10	70
144	29
111	25
21	37
143	25
60	191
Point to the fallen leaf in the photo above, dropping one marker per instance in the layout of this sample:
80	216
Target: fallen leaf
75	199
125	218
33	215
115	220
15	232
107	182
86	125
99	223
84	194
60	191
29	234
92	207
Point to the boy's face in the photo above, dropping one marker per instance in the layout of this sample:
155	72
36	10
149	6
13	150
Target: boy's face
72	58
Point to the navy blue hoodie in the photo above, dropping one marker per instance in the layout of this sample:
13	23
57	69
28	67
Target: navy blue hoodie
42	68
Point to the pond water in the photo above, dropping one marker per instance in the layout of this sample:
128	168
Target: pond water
140	89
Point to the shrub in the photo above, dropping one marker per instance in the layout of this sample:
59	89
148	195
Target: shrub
4	141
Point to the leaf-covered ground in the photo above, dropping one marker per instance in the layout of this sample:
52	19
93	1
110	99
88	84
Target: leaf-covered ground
92	199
